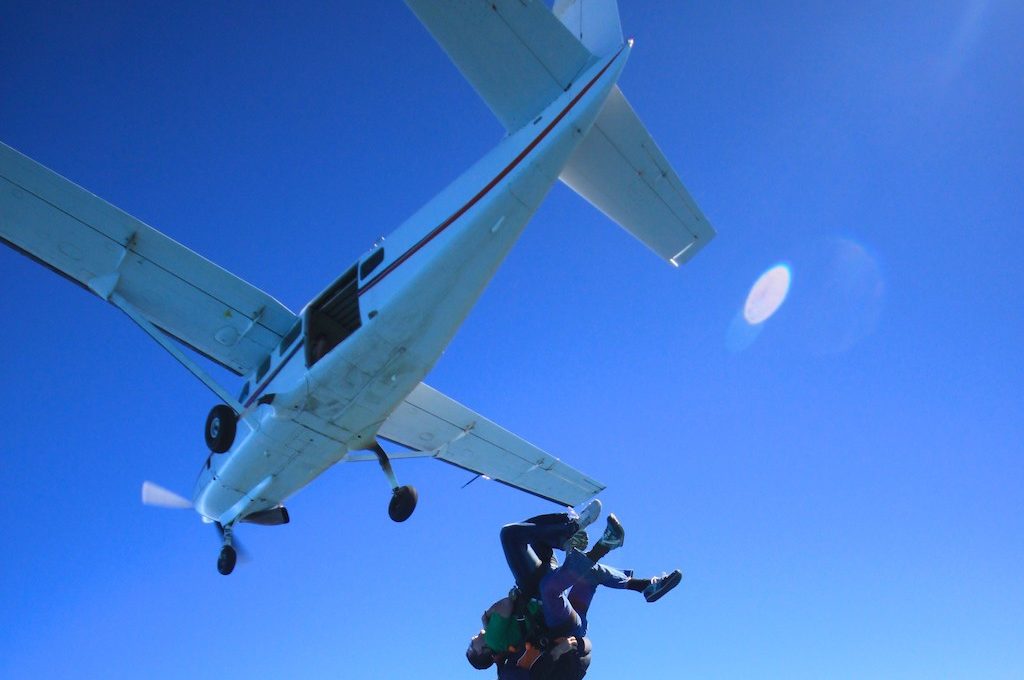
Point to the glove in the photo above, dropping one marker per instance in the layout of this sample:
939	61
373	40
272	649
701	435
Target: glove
529	657
562	645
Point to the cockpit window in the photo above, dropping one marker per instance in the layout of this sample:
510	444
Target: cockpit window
370	263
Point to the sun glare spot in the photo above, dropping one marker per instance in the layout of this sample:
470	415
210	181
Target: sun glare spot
767	294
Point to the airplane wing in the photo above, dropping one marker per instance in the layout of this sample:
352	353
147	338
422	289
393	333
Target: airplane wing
516	54
103	249
429	421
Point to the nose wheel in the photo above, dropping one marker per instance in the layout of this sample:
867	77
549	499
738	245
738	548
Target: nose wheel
226	560
228	555
403	498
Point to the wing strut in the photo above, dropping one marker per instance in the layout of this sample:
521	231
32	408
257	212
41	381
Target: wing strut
117	300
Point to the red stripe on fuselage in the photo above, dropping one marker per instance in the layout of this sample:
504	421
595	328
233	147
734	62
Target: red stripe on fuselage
490	185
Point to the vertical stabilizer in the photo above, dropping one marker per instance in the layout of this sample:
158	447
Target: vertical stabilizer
595	23
515	54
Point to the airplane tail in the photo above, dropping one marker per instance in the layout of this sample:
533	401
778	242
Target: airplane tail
618	167
520	57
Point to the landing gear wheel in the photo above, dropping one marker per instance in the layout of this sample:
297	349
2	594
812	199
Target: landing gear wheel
403	502
227	559
220	428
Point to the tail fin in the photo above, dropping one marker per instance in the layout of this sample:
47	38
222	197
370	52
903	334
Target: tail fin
620	170
515	54
595	23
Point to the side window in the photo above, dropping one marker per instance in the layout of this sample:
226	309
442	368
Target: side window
245	392
264	367
370	263
289	338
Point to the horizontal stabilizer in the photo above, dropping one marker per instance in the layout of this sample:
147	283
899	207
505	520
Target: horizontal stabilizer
429	421
620	170
516	55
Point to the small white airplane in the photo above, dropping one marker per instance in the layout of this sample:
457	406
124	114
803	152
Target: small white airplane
325	385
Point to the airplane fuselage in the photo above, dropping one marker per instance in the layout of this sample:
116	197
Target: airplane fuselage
375	334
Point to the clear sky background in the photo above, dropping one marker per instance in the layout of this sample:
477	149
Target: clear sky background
843	486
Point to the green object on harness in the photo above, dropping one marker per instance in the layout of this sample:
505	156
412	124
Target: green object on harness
501	632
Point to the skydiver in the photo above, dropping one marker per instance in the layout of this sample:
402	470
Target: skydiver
546	638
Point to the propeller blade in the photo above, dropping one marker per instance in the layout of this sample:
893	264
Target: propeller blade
156	495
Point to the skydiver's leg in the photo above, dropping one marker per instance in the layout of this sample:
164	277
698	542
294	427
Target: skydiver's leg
559	615
600	574
528	547
545	552
597	553
613	537
653	589
567	613
580	597
638	584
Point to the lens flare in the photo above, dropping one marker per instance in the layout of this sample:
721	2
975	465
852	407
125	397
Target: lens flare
842	293
767	295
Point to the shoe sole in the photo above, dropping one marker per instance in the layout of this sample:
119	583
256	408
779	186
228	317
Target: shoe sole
585	522
671	581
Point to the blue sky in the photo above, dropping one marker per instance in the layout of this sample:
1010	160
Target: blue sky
843	488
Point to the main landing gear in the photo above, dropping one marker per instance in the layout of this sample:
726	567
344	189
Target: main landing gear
220	428
403	498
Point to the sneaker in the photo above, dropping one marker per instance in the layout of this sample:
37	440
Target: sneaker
579	541
614	535
589	514
661	585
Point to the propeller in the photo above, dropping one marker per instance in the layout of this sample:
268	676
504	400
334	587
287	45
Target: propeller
157	496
